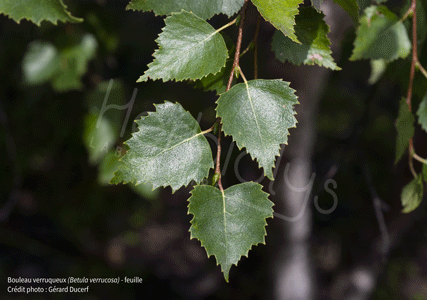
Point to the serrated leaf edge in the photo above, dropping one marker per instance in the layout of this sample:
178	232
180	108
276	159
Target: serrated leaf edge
75	19
278	151
292	36
129	7
252	245
217	31
154	186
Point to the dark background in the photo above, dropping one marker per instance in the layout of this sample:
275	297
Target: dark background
59	217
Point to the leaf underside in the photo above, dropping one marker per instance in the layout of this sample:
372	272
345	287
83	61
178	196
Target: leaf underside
312	32
205	9
229	223
189	48
168	150
380	36
280	13
37	11
258	114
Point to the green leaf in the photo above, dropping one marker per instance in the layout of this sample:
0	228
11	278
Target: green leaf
74	63
381	35
107	167
168	150
258	114
228	223
316	4
405	129
280	13
312	32
422	113
412	194
351	7
378	67
40	63
205	9
189	48
37	11
43	62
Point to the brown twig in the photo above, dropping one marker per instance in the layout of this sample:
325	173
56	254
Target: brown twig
256	47
411	78
230	81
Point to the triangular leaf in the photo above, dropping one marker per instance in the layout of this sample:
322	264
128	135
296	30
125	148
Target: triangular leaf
37	11
189	48
228	223
405	129
412	194
258	114
168	150
280	13
422	113
351	7
381	35
312	32
205	9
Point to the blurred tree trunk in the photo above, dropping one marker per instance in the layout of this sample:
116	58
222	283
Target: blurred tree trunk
293	268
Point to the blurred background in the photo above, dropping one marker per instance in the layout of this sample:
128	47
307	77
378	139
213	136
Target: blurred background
59	216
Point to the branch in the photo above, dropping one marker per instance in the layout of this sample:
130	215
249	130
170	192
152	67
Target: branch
230	81
413	8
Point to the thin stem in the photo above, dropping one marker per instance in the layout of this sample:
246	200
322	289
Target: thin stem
420	67
419	158
414	55
407	14
256	47
411	162
247	49
243	75
208	130
238	45
411	77
230	81
226	25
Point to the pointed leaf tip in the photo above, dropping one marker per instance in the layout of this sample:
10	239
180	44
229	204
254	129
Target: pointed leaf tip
229	223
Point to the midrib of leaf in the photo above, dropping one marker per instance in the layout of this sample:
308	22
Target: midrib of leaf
180	143
225	226
213	33
253	110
